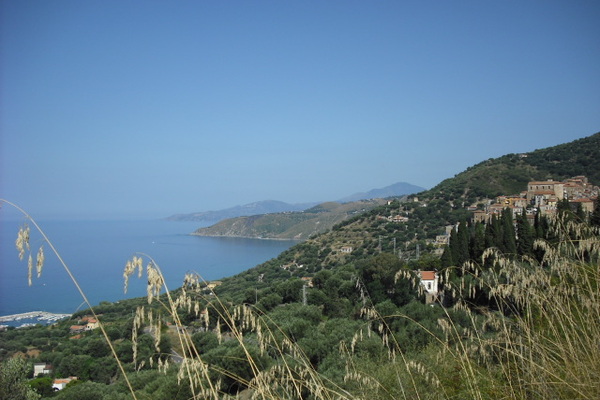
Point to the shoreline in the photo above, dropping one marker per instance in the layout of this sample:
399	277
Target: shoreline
245	237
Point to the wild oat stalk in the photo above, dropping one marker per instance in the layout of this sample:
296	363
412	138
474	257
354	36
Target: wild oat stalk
22	244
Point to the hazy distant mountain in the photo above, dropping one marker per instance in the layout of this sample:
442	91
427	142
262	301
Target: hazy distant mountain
274	206
259	207
397	189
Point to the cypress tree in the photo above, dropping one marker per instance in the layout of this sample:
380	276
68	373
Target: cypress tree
446	259
463	243
509	245
492	232
477	243
525	235
454	247
579	213
563	206
595	215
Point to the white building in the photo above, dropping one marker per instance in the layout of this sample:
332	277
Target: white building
41	368
60	384
430	282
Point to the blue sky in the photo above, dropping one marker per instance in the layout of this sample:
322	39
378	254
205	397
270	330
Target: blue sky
145	109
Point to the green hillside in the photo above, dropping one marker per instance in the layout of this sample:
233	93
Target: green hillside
509	174
371	233
289	225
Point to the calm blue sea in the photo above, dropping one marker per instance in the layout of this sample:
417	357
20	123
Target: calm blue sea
96	253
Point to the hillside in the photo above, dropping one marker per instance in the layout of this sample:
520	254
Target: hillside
509	174
427	213
349	300
289	225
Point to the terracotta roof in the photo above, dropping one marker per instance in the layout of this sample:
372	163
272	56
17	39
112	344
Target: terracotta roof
427	275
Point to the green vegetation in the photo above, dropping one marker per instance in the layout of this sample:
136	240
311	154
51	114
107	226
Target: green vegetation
343	316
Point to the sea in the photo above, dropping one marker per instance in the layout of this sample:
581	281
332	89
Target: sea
96	252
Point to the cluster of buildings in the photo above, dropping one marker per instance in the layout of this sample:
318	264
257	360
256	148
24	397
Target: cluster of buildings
46	369
393	218
87	323
542	197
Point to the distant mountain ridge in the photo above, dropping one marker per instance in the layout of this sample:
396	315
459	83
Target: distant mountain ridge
274	206
397	189
259	207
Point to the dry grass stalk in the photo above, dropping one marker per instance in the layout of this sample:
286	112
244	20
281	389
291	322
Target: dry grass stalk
22	244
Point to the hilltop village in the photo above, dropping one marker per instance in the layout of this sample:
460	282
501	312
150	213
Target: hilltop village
543	197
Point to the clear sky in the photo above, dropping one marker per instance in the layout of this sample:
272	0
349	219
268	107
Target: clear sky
150	108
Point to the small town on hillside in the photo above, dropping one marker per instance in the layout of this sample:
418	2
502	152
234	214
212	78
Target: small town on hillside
542	197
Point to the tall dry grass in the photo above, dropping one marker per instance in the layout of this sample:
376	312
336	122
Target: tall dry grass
540	339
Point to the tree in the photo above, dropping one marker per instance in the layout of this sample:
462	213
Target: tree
378	275
525	235
509	245
463	243
446	259
595	215
563	206
205	341
477	241
493	232
13	385
42	386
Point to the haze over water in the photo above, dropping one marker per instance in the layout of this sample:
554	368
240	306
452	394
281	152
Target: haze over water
96	253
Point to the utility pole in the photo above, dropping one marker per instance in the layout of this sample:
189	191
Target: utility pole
304	302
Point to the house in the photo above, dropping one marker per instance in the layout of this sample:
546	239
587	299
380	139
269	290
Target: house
77	328
41	369
60	384
307	280
430	282
398	219
346	249
213	284
586	204
88	323
92	324
539	192
441	240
